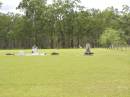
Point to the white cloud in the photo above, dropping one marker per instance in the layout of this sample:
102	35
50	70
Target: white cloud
10	5
102	4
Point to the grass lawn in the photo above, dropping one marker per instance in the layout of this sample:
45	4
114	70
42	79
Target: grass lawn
71	74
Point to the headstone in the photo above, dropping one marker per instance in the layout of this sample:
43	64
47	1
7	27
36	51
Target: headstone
88	51
35	50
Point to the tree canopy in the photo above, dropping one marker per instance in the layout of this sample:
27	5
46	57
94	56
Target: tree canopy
63	24
111	37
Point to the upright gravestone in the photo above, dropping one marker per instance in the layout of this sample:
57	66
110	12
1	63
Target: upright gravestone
34	49
88	51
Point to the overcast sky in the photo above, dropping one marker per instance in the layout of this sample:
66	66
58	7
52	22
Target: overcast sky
10	5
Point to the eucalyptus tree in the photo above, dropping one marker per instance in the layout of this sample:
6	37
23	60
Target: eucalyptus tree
62	19
111	37
5	28
125	22
33	10
62	24
9	30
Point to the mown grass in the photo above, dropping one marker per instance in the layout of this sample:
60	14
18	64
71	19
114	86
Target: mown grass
70	74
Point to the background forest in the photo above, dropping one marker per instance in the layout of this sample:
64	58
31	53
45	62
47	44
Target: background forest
63	24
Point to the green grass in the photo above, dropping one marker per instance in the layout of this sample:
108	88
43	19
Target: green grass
71	74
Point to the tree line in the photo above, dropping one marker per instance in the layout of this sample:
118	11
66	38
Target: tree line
63	24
